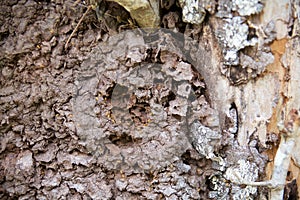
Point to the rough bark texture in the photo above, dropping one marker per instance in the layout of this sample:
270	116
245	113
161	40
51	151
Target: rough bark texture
191	111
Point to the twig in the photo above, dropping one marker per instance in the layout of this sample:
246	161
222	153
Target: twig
269	184
75	29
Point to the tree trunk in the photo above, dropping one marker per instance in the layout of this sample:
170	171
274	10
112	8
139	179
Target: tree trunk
204	107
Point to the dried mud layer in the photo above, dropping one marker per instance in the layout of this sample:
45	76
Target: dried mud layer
120	119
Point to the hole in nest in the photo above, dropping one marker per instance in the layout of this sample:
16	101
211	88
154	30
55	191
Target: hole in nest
165	100
140	113
123	139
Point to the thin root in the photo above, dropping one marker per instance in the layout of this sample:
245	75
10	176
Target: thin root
75	29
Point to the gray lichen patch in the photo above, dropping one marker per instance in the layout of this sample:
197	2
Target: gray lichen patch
247	171
244	45
192	11
206	140
240	163
237	34
247	7
243	7
233	37
256	65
